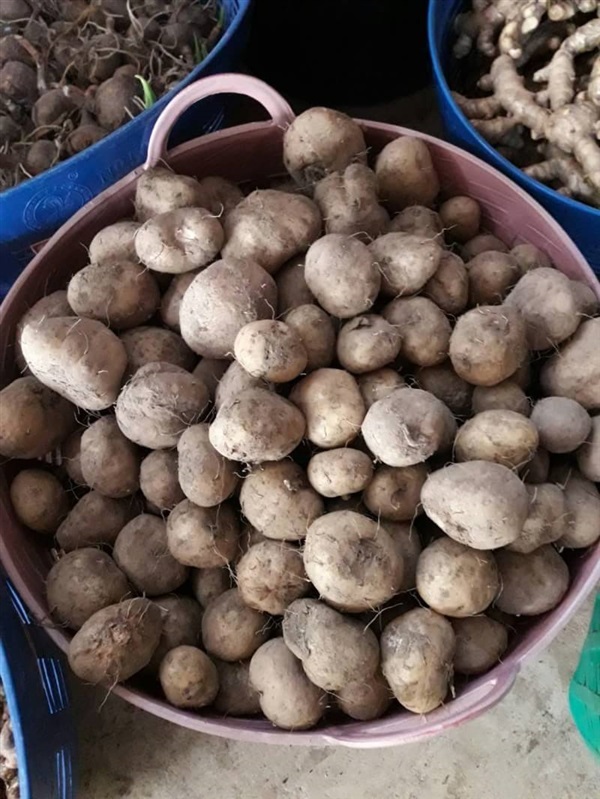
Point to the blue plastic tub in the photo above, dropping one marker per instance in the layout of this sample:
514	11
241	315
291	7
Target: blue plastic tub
34	210
580	221
36	692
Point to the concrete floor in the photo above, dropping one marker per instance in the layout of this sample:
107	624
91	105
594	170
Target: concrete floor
525	748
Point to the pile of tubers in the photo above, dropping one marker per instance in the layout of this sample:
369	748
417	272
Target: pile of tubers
73	72
536	94
315	446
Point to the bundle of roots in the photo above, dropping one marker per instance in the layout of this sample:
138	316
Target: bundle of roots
70	73
537	97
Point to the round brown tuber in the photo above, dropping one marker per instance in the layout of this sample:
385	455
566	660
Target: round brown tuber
529	257
171	299
270	350
376	385
423	328
220	301
83	582
533	583
562	423
210	371
418	220
342	274
588	454
483	242
287	697
491	276
367	574
116	642
158	403
332	405
121	294
292	290
544	299
504	396
258	426
71	457
317	332
582	500
278	500
461	218
188	677
159	190
334	649
203	537
52	108
270	576
547	521
205	476
114	101
367	342
449	286
480	504
443	382
18	82
39	500
114	242
208	584
320	141
94	520
394	493
480	643
408	545
40	156
141	551
109	462
406	174
417	649
406	427
456	580
500	436
158	480
33	419
145	345
574	372
233	381
339	472
83	137
488	344
406	261
236	695
231	630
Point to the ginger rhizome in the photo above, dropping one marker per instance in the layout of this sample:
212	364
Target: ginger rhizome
539	87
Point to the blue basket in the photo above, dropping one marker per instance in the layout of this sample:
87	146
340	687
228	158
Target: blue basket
38	702
581	222
34	210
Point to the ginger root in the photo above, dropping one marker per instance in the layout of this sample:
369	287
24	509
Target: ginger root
568	172
563	115
560	72
593	88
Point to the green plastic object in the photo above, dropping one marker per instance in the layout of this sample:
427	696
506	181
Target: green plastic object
584	692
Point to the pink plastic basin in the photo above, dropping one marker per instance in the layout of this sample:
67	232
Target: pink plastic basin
252	153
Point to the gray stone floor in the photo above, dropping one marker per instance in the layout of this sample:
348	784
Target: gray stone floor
525	748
